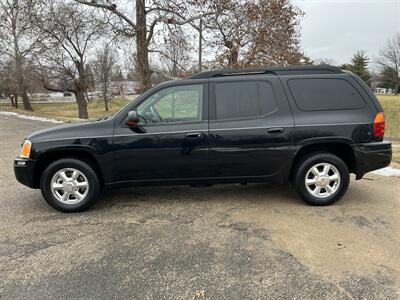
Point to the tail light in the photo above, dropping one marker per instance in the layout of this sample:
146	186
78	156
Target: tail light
379	125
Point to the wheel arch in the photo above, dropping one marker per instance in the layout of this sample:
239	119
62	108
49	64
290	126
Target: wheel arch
341	149
48	157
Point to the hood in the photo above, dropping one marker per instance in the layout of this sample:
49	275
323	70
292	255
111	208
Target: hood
102	127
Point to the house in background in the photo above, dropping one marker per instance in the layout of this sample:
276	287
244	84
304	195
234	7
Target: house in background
380	90
53	97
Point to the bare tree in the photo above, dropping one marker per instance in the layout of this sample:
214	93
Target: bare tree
389	59
8	83
18	41
253	33
142	26
69	30
104	68
175	52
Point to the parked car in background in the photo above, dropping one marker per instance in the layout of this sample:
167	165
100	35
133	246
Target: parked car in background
311	126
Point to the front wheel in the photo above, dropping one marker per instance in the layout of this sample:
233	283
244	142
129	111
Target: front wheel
321	179
70	185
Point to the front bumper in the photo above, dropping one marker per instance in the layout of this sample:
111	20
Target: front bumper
24	171
372	156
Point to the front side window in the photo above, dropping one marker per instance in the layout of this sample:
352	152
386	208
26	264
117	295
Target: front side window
243	99
174	104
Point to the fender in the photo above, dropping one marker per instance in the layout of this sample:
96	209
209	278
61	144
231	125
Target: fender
340	146
99	150
319	141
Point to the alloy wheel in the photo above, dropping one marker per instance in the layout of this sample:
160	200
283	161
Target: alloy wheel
69	186
322	180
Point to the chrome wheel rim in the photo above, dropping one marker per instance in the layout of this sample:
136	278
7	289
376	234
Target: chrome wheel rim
69	186
322	180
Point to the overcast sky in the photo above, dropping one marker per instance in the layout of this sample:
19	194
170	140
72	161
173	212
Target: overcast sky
336	29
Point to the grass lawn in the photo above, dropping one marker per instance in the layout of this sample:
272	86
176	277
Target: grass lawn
391	105
69	110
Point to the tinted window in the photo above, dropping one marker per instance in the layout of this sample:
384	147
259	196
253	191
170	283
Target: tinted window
325	94
174	104
243	99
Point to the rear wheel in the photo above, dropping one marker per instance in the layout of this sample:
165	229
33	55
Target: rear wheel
70	185
321	179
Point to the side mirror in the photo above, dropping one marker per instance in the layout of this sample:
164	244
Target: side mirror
132	119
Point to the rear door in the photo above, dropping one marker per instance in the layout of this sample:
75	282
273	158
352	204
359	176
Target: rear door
250	126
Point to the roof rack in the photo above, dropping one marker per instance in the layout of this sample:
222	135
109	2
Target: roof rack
292	70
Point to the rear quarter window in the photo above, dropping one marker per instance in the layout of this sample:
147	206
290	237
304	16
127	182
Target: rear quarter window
325	94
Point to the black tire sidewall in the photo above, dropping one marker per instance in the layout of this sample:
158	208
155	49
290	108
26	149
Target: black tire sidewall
86	169
312	160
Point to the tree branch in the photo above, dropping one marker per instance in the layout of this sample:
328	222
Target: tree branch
112	8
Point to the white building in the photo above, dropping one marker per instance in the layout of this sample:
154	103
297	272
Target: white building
379	90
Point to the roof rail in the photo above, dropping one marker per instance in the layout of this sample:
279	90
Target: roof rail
292	70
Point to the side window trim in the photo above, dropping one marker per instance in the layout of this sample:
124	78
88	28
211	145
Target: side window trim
175	123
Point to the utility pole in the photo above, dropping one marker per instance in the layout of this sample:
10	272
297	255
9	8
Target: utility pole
200	43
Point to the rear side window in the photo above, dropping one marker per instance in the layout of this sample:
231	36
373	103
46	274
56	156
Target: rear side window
325	94
243	99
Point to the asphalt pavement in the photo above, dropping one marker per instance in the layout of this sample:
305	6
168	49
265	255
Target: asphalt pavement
223	242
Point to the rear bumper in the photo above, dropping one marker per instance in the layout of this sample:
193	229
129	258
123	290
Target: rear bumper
23	170
372	156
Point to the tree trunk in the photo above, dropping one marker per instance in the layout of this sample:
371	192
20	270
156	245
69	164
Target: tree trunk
233	54
21	82
200	44
142	46
16	100
105	96
80	90
22	91
26	101
12	100
82	104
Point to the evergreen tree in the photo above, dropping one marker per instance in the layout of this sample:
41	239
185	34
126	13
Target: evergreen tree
348	67
359	64
387	78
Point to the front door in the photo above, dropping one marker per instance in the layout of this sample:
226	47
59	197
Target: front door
250	127
174	142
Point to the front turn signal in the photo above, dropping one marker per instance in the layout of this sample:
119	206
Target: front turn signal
26	149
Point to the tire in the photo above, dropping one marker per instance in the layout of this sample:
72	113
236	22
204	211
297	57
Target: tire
76	185
332	186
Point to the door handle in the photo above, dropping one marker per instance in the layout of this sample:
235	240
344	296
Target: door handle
276	130
194	135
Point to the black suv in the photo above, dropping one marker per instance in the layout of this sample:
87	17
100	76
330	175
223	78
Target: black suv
311	126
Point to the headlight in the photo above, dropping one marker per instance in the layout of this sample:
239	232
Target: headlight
26	149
